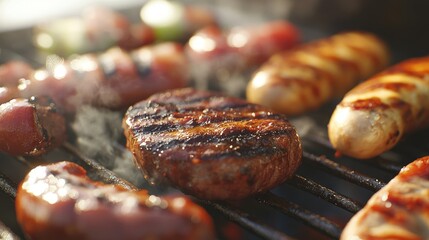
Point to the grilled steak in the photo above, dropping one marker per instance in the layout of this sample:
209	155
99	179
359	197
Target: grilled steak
210	145
59	201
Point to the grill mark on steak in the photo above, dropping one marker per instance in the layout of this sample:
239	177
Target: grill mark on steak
226	136
160	110
198	119
244	152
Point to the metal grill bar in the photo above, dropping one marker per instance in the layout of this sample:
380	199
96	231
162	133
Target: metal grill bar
7	186
330	195
105	174
244	219
379	162
6	233
309	218
344	172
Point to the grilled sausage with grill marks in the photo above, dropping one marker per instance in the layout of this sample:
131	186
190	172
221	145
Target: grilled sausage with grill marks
59	201
376	114
397	211
308	76
30	127
114	78
210	145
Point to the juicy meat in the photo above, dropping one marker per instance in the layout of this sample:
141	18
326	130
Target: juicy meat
11	72
376	114
113	78
30	126
59	201
210	145
398	211
306	77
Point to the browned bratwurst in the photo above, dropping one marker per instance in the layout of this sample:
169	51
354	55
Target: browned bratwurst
210	145
59	201
398	211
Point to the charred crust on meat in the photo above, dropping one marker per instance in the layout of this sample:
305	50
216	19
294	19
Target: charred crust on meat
43	102
393	137
211	145
143	66
366	104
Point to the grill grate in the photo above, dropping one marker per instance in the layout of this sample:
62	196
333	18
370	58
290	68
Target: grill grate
325	193
7	186
243	218
248	219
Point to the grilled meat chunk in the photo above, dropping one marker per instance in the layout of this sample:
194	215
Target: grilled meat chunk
398	211
210	145
59	201
12	71
30	127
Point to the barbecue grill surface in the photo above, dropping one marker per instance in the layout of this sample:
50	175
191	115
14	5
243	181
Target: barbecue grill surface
326	191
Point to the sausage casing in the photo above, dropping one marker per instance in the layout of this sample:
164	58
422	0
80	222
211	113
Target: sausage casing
59	201
302	79
375	115
398	210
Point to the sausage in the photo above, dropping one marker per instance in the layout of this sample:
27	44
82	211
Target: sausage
12	71
114	79
398	210
302	79
96	29
59	201
30	127
255	44
211	146
375	115
241	46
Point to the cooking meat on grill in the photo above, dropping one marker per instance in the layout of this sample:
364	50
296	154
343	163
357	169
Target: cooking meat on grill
12	71
304	78
211	146
241	46
30	127
398	210
180	23
376	114
113	79
96	29
59	201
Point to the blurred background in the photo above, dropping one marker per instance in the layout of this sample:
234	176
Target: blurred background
402	23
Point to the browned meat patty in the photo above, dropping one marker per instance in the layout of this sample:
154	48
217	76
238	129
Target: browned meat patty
210	145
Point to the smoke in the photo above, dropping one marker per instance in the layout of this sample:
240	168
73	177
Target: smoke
99	135
311	125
